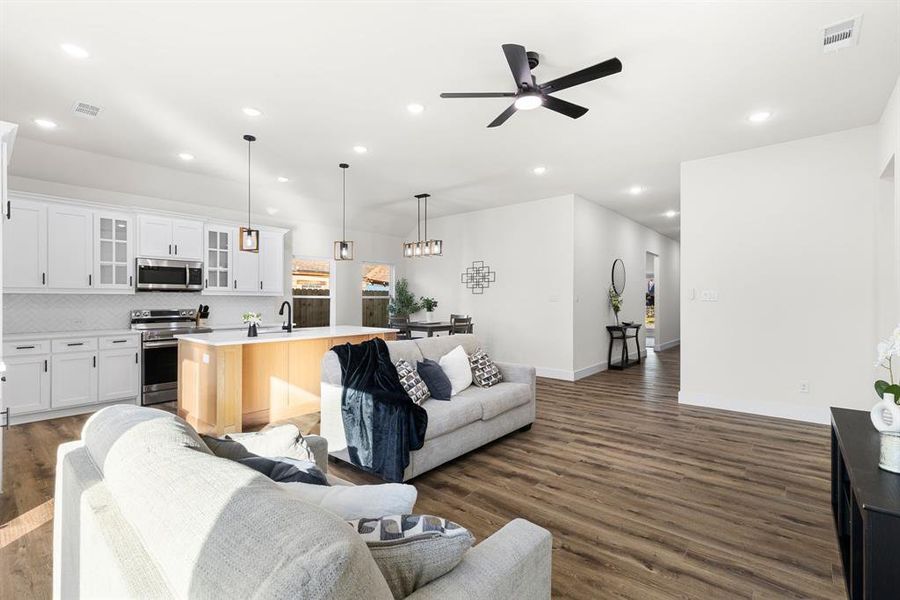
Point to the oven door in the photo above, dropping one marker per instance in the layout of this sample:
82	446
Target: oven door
169	275
160	371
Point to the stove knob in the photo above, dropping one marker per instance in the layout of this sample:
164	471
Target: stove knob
184	313
146	313
192	312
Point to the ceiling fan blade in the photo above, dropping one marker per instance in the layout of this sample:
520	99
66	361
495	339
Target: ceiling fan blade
501	119
518	64
607	67
477	95
563	107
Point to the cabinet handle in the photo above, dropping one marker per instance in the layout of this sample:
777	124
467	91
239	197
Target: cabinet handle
170	248
5	413
176	249
235	284
45	365
75	344
260	285
119	341
8	210
43	279
135	358
90	280
95	361
130	280
24	347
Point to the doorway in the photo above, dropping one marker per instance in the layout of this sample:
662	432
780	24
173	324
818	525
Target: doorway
651	324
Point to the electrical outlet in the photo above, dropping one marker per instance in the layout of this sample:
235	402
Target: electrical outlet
804	387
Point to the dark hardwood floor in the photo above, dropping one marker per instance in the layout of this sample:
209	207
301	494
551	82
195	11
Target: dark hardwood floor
646	499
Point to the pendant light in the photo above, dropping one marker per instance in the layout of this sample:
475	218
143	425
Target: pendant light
343	249
422	247
249	236
432	247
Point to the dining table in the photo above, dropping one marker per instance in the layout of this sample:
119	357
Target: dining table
427	327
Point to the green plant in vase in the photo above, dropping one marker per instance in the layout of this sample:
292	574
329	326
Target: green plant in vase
615	301
428	305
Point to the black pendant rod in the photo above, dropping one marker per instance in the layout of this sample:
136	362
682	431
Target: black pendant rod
418	219
344	167
250	139
419	198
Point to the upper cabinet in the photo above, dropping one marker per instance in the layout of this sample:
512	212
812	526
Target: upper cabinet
114	251
70	235
165	237
271	262
217	259
25	245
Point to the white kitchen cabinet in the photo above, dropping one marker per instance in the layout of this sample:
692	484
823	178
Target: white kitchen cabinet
246	272
73	379
25	245
113	251
218	258
271	262
119	374
27	387
70	257
187	239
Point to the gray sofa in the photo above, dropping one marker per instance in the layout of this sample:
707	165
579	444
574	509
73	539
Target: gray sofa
144	510
469	420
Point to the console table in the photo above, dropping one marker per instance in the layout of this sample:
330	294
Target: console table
865	501
620	332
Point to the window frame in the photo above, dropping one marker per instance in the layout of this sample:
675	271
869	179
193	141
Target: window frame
392	269
332	308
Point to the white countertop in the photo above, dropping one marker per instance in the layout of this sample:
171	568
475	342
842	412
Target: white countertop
46	335
233	338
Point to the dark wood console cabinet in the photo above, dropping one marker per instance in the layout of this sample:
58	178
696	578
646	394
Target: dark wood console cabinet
865	501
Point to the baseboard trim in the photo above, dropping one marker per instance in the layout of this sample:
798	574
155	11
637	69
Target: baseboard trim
667	345
780	409
555	373
600	367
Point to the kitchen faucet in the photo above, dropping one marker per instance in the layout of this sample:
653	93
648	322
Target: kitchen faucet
289	326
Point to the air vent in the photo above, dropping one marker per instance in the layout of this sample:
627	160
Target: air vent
841	35
85	110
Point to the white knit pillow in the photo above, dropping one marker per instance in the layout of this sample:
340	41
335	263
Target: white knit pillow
455	365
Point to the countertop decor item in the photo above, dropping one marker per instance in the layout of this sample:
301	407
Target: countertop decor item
343	249
429	304
615	301
478	277
886	414
249	236
252	319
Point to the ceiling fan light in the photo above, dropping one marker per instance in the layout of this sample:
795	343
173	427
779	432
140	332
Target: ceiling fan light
528	101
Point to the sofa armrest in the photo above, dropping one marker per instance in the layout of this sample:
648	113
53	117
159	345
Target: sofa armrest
319	448
512	563
516	373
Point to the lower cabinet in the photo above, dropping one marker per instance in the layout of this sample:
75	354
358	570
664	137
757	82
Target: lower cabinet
120	374
27	388
74	379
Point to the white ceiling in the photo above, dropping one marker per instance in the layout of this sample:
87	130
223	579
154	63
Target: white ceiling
173	77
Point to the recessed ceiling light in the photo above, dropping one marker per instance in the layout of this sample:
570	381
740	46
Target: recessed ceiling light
635	190
360	149
45	123
185	156
282	179
74	51
251	112
671	213
415	108
528	101
539	170
271	210
759	117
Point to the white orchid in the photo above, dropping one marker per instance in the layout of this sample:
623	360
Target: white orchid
887	351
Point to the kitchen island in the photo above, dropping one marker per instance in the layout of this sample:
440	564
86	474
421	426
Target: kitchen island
228	381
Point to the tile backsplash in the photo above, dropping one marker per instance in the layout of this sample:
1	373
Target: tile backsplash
33	313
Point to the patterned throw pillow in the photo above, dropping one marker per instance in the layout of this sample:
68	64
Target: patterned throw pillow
412	550
484	372
412	382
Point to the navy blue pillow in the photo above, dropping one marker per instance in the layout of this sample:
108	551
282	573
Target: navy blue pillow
434	377
283	469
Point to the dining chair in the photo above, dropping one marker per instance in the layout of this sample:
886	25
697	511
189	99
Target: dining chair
401	323
460	324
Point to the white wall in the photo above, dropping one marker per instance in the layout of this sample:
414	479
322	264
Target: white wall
786	234
526	316
889	210
600	237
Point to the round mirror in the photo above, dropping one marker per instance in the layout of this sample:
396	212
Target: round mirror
618	276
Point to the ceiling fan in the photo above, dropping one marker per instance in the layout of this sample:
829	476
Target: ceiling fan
531	94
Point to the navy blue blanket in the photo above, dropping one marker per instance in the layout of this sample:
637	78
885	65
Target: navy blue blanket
382	424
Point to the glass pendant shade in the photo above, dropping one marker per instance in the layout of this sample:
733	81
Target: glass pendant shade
435	247
343	250
409	249
249	239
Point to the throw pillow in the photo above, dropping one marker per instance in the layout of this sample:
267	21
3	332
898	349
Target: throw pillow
411	382
484	372
434	377
283	469
412	550
282	440
355	501
456	366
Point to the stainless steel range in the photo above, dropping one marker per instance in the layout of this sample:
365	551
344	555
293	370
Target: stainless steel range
159	349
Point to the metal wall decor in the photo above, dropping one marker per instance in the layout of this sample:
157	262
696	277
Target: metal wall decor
478	277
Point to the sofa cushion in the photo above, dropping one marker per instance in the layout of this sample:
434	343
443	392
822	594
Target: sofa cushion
436	347
444	417
406	350
217	529
439	386
496	399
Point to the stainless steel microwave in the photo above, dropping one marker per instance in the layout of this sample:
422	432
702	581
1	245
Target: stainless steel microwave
164	275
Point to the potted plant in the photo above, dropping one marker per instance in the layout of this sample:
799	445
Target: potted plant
886	414
429	304
615	301
403	303
253	320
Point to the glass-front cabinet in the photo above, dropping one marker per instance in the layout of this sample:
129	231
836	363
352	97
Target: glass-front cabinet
113	251
219	242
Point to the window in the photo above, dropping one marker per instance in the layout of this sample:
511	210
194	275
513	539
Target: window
311	284
377	282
